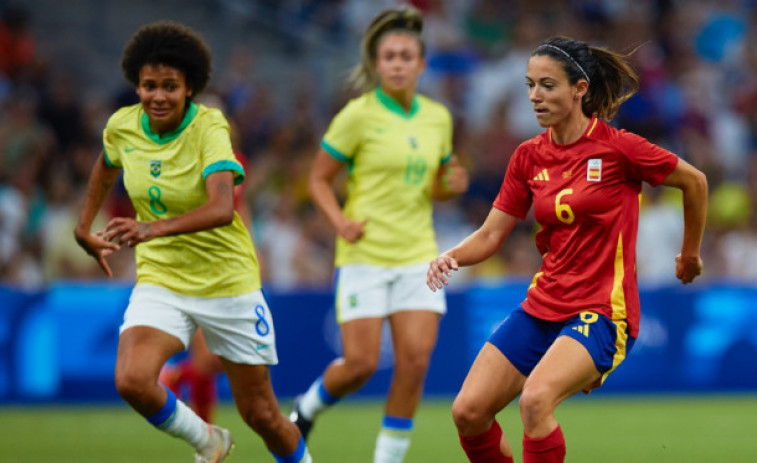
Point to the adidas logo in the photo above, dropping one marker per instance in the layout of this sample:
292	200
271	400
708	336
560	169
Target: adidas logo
583	329
543	175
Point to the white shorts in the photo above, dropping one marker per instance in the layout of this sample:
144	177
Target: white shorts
367	291
238	328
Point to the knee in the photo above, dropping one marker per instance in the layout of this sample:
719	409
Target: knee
360	370
262	417
535	403
133	386
413	364
468	417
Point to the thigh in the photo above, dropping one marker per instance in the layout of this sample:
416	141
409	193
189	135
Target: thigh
239	329
361	339
565	369
491	384
143	350
606	341
361	292
408	291
414	333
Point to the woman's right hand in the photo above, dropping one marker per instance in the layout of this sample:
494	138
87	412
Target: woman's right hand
440	271
351	230
97	247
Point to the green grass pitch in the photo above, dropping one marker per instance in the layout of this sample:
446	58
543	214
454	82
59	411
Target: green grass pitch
598	429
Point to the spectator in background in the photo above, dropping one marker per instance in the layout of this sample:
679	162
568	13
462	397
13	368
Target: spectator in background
17	48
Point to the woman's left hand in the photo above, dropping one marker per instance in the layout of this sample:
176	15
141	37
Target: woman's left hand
688	268
128	231
456	178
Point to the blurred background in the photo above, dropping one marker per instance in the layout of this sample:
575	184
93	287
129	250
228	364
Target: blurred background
279	69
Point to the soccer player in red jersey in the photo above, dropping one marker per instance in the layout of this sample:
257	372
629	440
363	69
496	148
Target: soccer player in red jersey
581	312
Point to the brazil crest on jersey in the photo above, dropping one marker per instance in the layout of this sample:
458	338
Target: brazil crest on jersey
165	177
586	199
393	157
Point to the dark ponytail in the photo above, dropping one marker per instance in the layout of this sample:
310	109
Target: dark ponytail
611	79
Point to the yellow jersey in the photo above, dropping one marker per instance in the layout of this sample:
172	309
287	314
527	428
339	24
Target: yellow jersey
165	177
393	157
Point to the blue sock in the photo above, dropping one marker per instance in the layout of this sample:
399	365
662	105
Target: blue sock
165	416
326	398
396	423
294	457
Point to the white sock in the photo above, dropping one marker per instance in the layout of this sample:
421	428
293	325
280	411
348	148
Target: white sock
188	426
391	446
316	400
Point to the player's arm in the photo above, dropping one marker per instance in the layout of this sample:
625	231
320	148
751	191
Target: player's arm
320	185
217	211
477	247
451	180
101	181
693	184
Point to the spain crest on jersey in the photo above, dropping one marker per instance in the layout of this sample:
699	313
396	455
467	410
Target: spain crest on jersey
594	170
155	168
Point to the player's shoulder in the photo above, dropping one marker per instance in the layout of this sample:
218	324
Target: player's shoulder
206	115
431	104
124	116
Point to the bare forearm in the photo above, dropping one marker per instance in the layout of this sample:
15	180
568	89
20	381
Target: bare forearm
476	248
694	215
485	241
212	214
325	199
101	181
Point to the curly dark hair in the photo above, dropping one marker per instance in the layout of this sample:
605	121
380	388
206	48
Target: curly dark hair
171	44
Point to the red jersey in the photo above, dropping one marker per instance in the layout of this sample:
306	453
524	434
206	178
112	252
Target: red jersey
586	199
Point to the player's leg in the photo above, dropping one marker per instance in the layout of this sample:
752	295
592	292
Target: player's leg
240	331
588	348
566	368
258	407
414	335
491	384
142	351
361	346
202	368
361	303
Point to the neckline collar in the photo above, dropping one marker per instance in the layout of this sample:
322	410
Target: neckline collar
170	136
392	105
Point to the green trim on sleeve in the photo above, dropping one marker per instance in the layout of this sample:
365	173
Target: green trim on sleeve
447	158
108	161
335	153
170	136
219	166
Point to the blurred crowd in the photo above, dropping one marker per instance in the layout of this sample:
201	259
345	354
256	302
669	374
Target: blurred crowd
697	60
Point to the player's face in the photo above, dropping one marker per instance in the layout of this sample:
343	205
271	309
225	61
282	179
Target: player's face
163	92
399	62
553	98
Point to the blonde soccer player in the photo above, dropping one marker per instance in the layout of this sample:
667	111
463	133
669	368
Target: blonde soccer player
397	148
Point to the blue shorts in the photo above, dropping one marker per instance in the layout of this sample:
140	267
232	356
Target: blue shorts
524	339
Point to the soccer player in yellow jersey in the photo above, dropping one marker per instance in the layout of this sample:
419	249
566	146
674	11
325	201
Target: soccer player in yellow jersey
397	147
196	264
